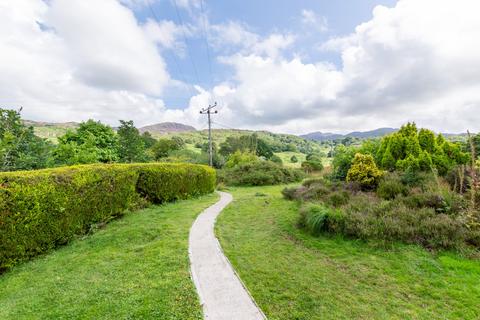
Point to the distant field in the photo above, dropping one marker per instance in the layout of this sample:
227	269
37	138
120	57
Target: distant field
286	158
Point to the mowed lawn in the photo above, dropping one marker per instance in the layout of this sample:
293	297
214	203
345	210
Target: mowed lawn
293	275
137	267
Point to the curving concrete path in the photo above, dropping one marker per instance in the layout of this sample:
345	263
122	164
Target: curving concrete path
221	292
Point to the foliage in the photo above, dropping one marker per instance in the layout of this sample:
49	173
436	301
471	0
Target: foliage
91	142
20	149
163	147
148	140
418	150
246	143
364	171
239	157
342	161
131	145
258	174
42	209
312	166
434	217
294	159
391	186
276	159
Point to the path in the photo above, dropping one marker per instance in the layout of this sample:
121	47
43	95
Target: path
221	292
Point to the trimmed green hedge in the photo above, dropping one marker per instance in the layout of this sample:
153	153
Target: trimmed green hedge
42	209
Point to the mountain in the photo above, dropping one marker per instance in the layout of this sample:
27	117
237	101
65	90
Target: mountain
166	127
321	136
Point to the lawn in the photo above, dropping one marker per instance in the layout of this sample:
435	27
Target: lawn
293	275
137	267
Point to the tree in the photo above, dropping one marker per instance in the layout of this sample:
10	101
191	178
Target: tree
364	171
20	149
276	159
131	146
148	140
91	142
342	161
426	138
239	157
163	147
311	166
293	159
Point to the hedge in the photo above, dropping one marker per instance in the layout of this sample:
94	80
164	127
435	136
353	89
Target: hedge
42	209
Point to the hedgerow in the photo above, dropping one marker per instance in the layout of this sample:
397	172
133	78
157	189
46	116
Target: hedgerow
42	209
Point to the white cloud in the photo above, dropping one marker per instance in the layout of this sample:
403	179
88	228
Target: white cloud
314	21
74	59
418	61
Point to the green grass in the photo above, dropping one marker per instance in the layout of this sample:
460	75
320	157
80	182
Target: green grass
287	155
293	275
137	267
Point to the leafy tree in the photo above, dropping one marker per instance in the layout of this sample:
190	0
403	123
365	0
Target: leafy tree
20	149
293	159
163	147
426	139
239	157
148	140
250	143
365	171
131	146
342	161
91	142
312	165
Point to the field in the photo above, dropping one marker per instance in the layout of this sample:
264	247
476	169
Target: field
293	275
137	267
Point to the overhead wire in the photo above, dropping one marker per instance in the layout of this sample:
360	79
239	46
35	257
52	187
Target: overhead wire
172	56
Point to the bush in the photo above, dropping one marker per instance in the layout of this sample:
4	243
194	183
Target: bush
293	159
365	171
311	166
276	159
318	218
259	174
40	210
390	187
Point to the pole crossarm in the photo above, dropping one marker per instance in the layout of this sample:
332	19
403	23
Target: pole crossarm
208	111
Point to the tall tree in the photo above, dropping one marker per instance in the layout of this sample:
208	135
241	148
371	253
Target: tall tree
20	149
131	146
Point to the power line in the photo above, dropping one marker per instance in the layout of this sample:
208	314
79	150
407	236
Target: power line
179	18
173	57
205	34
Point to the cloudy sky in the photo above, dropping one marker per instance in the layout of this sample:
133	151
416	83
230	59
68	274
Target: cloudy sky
282	65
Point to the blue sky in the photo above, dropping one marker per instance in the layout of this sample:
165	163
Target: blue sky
283	66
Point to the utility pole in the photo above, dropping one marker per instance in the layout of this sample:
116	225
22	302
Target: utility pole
208	111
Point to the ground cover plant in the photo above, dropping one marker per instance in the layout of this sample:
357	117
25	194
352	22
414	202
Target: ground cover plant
410	200
136	267
293	274
40	210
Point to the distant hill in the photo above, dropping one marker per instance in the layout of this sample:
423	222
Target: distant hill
322	136
166	127
49	130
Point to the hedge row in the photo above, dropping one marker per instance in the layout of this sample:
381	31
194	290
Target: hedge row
42	209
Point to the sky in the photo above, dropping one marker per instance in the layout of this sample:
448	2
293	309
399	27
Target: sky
279	65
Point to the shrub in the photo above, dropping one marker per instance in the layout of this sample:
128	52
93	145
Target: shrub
259	174
293	159
317	218
338	199
239	157
42	209
312	165
365	171
276	159
390	187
